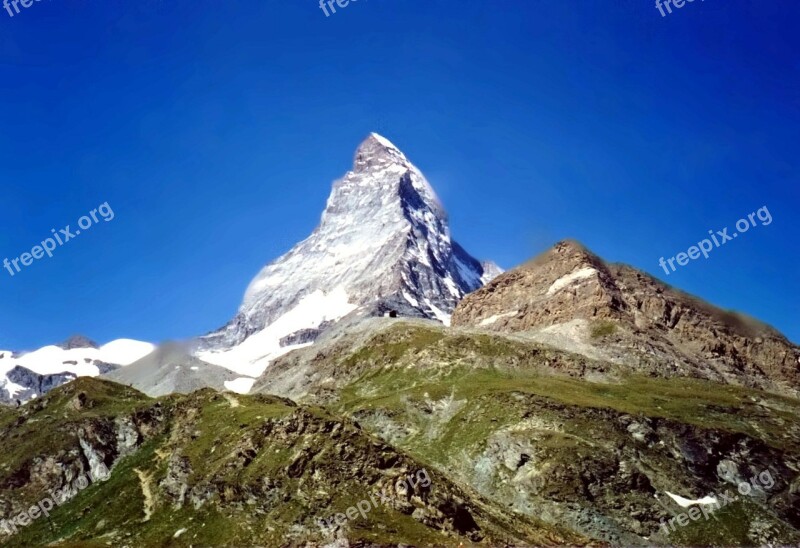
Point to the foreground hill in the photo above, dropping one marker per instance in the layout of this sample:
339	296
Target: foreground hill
574	441
523	443
211	469
587	394
571	402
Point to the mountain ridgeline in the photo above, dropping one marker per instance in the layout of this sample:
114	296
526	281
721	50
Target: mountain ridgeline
383	246
568	401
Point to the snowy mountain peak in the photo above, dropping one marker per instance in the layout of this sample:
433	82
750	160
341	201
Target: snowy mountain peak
78	341
491	270
26	375
376	151
383	246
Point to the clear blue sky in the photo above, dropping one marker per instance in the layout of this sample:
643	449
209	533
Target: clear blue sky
215	129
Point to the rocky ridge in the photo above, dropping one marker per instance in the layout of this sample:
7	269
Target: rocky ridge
571	298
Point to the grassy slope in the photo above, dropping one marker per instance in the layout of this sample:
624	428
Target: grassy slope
44	427
213	432
691	401
401	374
489	399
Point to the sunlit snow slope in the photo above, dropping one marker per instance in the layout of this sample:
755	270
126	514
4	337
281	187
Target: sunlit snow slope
383	246
26	375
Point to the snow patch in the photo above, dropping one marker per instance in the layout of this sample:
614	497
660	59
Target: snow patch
562	282
684	502
50	360
125	351
12	388
411	300
440	315
491	319
451	286
242	385
252	356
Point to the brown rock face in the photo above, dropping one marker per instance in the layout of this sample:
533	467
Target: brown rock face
563	284
662	330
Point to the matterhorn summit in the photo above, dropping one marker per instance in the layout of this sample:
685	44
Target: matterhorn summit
383	247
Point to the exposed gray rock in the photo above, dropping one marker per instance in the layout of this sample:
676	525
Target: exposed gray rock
384	240
303	336
98	470
170	369
105	367
77	341
127	436
34	384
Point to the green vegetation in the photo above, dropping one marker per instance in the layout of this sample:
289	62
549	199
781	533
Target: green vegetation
263	469
458	400
691	401
728	526
469	365
391	345
602	328
257	470
48	426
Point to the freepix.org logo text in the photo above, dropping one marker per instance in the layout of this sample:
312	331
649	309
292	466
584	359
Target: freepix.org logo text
48	245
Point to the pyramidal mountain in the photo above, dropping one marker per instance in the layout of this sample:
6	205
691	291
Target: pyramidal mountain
383	247
570	401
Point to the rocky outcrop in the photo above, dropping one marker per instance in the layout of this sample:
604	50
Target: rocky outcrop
745	345
78	341
303	336
605	478
564	283
54	454
651	327
33	385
